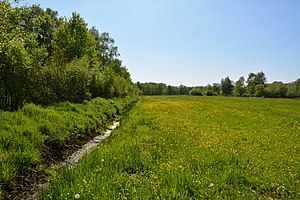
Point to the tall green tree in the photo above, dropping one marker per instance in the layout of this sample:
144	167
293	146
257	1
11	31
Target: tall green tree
226	86
73	40
216	88
239	88
254	80
20	55
183	90
105	47
260	78
42	23
251	84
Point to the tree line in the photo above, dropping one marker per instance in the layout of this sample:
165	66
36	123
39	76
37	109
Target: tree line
47	59
254	86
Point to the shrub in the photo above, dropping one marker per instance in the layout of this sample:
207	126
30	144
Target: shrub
209	93
196	92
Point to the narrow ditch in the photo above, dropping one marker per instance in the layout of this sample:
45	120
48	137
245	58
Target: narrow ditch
71	161
28	186
89	146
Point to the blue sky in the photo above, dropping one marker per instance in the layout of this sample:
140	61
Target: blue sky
196	42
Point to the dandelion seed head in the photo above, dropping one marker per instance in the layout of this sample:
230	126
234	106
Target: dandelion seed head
77	196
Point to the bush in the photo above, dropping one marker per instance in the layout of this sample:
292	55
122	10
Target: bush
209	93
196	92
276	90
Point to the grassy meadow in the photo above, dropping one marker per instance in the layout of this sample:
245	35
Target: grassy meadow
188	147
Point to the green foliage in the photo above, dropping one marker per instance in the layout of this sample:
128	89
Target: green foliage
188	147
254	80
105	48
208	90
25	133
294	89
256	86
239	88
226	86
73	40
170	90
163	89
45	59
19	54
78	78
209	93
196	92
276	90
183	90
216	88
260	90
154	88
251	84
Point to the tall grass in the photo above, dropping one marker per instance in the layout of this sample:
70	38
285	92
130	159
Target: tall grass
193	148
26	133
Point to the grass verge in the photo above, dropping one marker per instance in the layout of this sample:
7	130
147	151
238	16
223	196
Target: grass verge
35	136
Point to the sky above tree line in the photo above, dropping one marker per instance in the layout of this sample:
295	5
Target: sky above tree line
197	42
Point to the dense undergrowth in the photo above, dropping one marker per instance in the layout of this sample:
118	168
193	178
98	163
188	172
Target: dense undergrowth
193	148
26	134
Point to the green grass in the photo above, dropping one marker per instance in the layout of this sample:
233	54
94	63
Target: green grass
192	148
25	133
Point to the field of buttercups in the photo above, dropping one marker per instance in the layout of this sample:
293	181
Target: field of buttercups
192	148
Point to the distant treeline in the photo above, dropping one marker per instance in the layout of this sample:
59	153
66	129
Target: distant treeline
45	59
254	86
